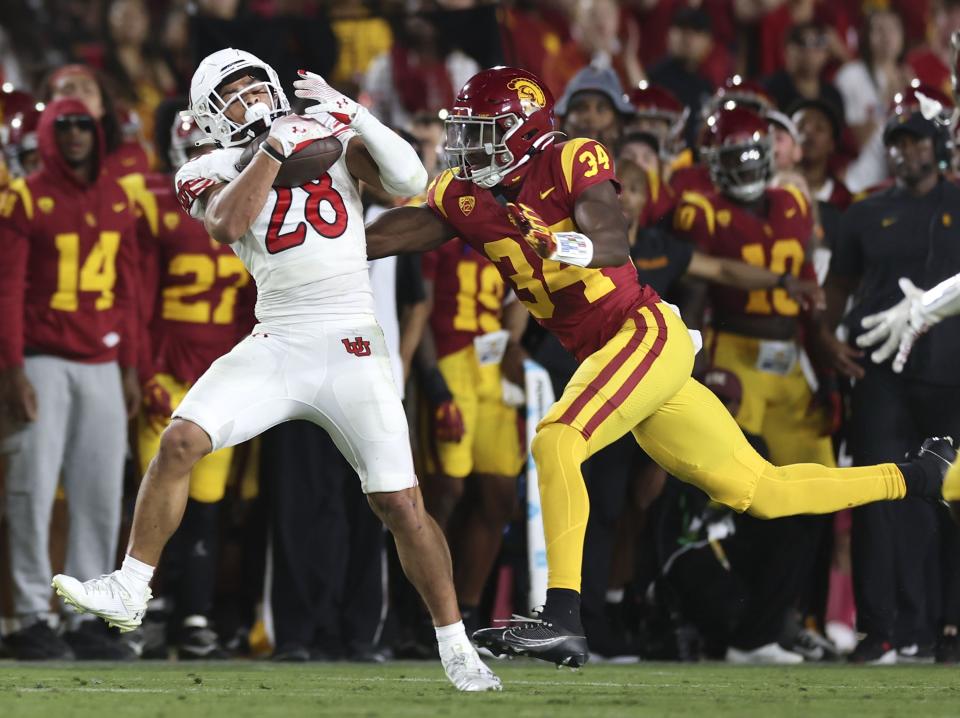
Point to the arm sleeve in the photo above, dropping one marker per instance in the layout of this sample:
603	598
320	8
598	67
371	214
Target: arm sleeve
14	252
401	171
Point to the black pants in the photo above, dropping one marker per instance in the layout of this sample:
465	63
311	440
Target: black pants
892	543
327	545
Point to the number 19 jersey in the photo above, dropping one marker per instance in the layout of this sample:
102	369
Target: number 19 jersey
584	308
306	249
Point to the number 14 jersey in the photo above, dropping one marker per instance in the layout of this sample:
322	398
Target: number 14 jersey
307	249
584	308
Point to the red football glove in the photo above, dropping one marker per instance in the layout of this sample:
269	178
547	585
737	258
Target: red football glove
448	422
533	229
156	405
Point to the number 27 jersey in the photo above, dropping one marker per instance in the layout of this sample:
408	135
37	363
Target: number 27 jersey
584	308
306	249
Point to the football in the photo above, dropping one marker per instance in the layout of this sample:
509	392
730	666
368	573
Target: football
301	167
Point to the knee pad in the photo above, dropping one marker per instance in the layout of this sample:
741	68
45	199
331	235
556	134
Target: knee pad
553	440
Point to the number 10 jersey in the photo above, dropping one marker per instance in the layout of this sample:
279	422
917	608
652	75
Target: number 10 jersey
306	250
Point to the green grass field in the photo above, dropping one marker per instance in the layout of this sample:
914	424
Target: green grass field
264	690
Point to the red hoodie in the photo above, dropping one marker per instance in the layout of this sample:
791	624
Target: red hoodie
69	254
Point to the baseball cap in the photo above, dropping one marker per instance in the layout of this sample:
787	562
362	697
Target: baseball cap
596	79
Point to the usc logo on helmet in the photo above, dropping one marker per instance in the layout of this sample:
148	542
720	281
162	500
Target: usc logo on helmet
530	94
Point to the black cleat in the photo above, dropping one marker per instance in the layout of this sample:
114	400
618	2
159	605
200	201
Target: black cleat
535	638
927	467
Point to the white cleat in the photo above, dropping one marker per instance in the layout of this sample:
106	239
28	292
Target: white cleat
465	669
770	654
107	597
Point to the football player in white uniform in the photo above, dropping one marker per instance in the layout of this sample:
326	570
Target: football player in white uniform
317	352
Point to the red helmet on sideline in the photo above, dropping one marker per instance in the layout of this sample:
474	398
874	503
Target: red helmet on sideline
19	118
739	152
741	92
500	118
655	103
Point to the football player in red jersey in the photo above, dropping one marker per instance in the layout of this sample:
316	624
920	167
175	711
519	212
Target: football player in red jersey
546	213
756	332
68	333
196	304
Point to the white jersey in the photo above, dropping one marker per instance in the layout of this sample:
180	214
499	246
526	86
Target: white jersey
307	249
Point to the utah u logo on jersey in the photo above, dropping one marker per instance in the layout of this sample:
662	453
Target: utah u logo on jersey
359	347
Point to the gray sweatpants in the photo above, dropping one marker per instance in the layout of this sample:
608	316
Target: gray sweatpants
80	435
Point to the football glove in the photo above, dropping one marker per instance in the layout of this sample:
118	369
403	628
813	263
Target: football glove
897	328
293	133
156	405
311	86
533	229
447	419
448	422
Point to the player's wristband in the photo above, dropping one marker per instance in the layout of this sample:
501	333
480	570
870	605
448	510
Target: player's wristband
782	280
272	152
434	386
573	248
942	300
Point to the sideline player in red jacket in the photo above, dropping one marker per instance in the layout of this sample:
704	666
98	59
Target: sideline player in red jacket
546	213
67	319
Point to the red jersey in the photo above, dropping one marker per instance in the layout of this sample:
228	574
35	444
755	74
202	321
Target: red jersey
467	295
584	308
777	241
195	291
660	200
69	252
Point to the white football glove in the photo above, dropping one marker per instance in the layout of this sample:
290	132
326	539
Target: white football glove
294	132
311	86
897	327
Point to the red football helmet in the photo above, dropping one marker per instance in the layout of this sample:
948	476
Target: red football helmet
19	118
185	136
501	118
741	92
659	105
739	152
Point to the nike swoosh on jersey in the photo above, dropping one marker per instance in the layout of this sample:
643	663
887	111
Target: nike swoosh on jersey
790	212
887	221
543	195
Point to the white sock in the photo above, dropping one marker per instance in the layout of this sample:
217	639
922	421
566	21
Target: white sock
136	573
449	635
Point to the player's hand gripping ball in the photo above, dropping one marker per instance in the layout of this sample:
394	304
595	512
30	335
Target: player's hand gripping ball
309	154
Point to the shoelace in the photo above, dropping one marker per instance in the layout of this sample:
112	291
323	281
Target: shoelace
108	585
459	666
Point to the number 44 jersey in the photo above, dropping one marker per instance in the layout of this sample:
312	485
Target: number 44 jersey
306	250
583	307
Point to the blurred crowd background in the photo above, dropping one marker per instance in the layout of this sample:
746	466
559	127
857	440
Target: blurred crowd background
284	559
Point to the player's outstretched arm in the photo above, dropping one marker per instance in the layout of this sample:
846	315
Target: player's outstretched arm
406	229
397	168
598	215
733	273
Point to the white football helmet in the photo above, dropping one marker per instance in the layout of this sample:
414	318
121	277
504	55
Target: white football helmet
209	108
